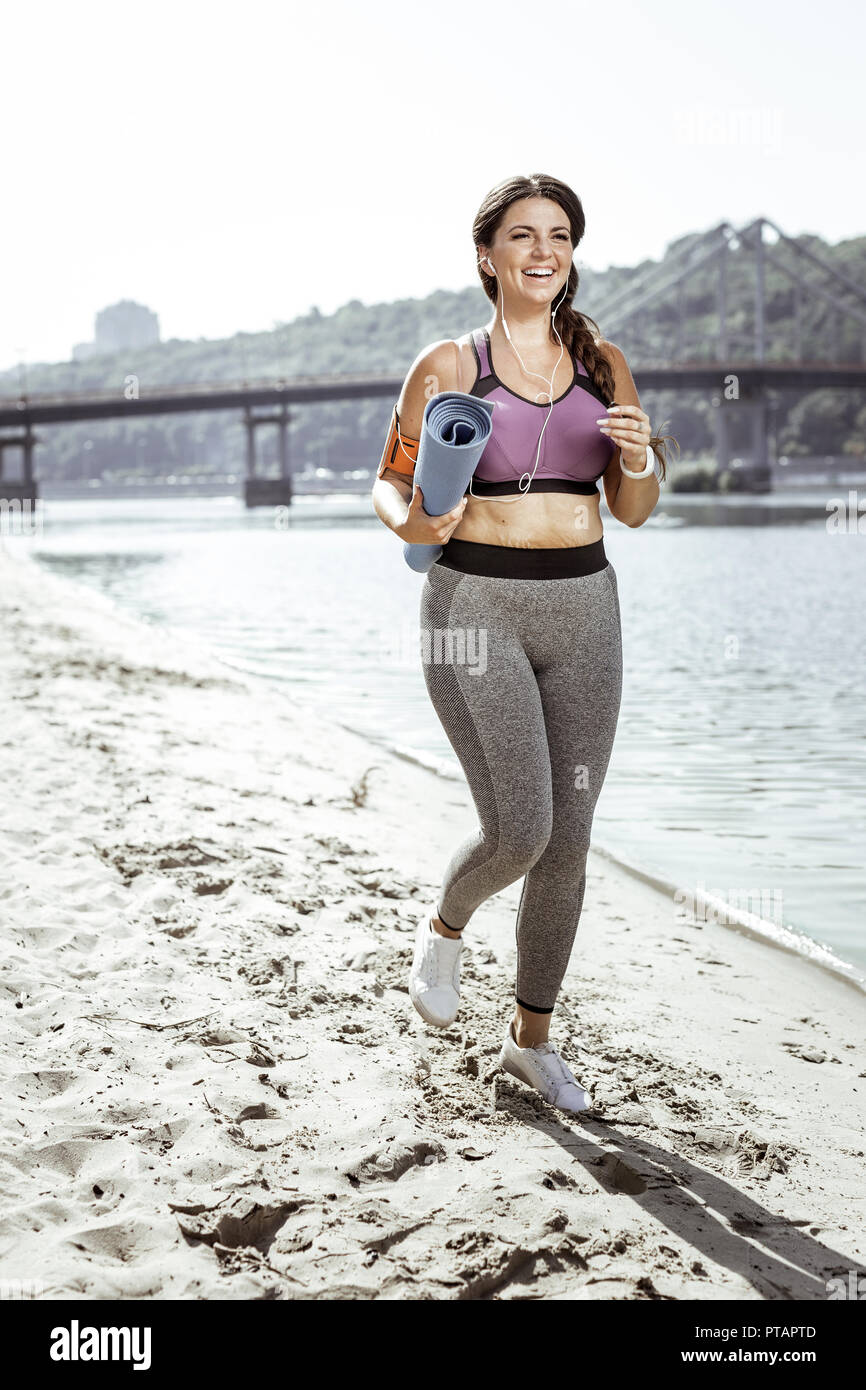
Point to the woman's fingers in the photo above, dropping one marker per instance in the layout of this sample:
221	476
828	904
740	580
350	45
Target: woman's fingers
452	518
452	526
625	428
437	528
632	422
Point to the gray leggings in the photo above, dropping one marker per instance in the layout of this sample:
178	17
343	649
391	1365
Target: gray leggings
525	675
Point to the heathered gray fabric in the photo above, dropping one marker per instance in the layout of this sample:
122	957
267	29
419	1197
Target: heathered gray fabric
525	676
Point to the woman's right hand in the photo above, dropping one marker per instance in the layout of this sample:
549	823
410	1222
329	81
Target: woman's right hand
421	529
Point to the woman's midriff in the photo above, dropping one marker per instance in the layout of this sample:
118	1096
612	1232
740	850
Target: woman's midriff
547	519
538	520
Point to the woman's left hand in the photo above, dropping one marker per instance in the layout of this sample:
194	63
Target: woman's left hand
629	427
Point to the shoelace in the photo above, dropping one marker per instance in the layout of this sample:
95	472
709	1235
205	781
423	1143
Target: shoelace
443	962
546	1052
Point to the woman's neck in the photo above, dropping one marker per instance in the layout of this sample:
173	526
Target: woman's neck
533	328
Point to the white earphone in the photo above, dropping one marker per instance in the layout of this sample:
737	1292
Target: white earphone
549	383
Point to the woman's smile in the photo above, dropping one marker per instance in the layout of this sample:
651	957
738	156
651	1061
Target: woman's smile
545	277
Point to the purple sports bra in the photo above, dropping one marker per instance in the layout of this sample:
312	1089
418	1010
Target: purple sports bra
574	453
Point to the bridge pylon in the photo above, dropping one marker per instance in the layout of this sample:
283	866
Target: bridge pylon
25	489
268	491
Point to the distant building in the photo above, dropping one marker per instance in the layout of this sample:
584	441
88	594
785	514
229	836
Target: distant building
118	328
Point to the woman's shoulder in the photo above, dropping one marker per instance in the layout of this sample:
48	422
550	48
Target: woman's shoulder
445	349
609	350
446	364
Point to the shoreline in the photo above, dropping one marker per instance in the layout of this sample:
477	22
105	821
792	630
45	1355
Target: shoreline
793	940
782	936
218	1087
780	507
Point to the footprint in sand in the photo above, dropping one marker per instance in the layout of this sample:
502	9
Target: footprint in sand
393	1160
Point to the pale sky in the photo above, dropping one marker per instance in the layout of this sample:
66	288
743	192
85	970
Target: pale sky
229	165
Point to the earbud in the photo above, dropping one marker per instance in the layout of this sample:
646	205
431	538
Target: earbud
505	327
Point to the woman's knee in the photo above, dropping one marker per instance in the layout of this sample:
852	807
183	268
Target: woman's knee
572	841
523	845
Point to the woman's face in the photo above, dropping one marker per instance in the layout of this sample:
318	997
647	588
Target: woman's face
533	236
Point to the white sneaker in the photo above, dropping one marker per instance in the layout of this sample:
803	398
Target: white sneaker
434	980
542	1068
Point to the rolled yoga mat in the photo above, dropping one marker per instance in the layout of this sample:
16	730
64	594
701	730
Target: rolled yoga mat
454	434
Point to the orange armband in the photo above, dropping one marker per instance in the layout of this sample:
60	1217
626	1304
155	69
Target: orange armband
400	452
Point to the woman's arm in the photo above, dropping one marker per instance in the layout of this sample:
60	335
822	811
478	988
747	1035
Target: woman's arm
397	500
631	500
392	494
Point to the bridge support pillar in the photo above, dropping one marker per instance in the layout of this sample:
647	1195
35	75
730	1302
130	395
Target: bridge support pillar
760	445
249	421
268	492
26	489
283	423
723	442
755	476
758	476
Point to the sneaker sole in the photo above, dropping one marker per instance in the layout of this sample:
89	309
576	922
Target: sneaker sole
507	1065
428	1017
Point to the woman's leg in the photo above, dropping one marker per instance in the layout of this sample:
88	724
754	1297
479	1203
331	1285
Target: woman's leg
575	645
484	691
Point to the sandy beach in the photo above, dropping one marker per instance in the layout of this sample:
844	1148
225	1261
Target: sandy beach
215	1085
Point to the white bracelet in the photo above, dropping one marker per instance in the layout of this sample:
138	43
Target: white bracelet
645	472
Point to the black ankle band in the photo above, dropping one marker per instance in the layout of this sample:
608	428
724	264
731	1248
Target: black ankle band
530	1008
445	924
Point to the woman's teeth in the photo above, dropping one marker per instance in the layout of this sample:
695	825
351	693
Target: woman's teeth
538	274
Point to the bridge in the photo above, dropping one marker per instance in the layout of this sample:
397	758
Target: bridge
276	396
738	364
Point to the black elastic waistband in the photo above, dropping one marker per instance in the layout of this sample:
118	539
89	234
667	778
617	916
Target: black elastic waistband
507	562
508	488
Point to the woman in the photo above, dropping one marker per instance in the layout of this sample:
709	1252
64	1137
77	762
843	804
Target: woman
523	576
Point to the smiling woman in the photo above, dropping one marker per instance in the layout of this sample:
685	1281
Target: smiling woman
550	374
534	730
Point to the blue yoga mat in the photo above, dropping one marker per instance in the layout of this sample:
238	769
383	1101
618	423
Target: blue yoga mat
454	433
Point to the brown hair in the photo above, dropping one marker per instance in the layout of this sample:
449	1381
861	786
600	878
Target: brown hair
580	334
